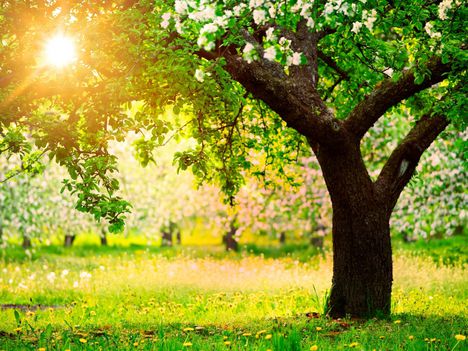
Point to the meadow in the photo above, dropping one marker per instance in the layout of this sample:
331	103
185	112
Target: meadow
133	297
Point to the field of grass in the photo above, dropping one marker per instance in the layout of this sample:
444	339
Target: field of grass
137	298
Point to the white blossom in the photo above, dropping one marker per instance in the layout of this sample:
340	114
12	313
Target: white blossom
181	7
199	75
444	6
166	18
259	16
270	53
270	35
356	27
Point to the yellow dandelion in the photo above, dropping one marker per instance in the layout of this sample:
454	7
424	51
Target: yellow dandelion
135	343
41	349
18	329
30	313
411	337
92	313
433	339
83	341
187	344
314	348
261	332
381	337
354	344
318	328
225	337
268	337
188	329
227	343
397	321
247	334
460	337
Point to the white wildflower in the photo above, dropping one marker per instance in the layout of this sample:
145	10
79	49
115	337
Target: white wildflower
51	277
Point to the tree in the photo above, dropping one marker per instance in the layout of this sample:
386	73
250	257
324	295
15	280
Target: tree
250	75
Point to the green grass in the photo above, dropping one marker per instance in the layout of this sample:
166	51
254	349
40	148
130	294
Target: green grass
147	298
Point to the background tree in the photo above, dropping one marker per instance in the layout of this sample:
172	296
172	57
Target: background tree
237	74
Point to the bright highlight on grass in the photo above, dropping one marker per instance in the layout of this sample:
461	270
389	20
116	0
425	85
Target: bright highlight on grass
60	51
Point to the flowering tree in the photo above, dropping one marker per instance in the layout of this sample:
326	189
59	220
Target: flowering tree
256	74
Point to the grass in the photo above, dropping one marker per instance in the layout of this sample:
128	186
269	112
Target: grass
138	298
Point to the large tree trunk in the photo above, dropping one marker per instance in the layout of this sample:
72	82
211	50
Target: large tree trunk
362	256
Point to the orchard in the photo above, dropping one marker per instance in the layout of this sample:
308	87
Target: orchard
319	131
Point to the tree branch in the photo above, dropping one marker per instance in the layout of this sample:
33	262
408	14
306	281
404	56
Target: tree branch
389	94
402	163
296	101
332	64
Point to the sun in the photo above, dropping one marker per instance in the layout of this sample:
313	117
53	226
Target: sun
60	51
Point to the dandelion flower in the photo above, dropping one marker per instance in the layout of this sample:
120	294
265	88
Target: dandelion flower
411	337
227	343
314	348
397	321
41	349
460	337
187	344
354	344
247	334
318	328
83	341
135	343
188	329
268	337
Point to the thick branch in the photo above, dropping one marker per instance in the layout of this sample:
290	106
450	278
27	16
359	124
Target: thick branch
389	94
401	164
298	104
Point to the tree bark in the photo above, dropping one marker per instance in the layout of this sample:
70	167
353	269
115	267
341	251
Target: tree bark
178	237
282	238
166	238
229	239
26	242
103	237
69	239
362	256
